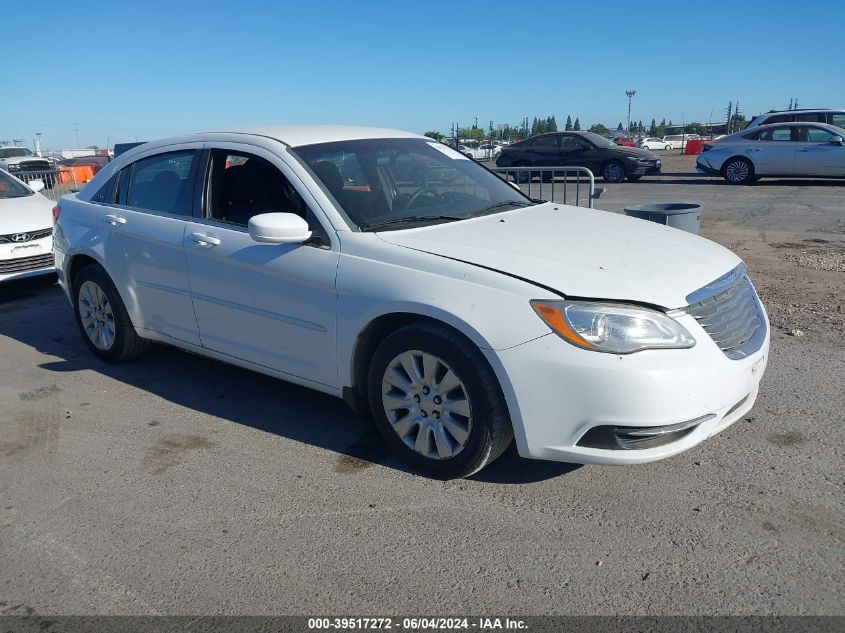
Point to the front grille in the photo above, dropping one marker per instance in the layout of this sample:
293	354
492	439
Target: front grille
23	264
34	165
25	236
730	312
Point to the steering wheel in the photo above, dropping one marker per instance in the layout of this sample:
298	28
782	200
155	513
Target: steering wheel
417	195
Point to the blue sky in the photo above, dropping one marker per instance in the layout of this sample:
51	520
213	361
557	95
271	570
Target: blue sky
147	68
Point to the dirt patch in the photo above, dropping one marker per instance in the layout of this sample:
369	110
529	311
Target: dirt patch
171	450
40	393
36	431
832	261
790	438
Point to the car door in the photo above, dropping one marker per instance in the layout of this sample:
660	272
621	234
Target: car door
772	151
270	304
143	235
817	153
576	152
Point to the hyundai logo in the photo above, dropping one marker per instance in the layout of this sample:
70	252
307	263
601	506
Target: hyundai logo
21	237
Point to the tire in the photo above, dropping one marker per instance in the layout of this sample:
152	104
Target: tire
411	408
613	171
738	171
469	156
102	317
633	178
667	148
522	176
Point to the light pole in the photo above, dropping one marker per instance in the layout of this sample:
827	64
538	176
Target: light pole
630	94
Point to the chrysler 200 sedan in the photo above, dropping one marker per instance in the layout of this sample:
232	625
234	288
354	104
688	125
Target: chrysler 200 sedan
390	270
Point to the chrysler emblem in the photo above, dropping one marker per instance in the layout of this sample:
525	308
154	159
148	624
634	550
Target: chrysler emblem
21	237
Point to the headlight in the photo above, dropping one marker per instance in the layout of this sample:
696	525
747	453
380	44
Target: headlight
14	167
611	327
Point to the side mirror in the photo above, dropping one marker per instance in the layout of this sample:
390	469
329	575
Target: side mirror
837	140
278	228
36	185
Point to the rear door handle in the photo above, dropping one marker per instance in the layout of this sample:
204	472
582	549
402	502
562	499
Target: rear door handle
114	220
204	240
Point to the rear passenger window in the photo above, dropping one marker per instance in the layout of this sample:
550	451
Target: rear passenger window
778	118
838	120
812	117
162	183
776	134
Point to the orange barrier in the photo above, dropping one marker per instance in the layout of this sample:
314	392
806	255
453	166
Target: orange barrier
693	146
81	174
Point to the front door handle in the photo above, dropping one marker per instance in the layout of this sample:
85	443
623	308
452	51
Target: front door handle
204	240
114	220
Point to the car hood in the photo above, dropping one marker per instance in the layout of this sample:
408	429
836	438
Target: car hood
580	252
624	150
14	160
30	213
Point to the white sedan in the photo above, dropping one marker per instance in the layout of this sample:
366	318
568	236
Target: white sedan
653	143
390	270
26	229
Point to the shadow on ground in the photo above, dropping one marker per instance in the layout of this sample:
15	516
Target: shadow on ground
36	313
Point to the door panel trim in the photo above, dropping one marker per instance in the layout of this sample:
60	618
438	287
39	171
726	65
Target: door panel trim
263	313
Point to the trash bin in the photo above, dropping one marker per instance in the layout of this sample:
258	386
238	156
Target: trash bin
680	215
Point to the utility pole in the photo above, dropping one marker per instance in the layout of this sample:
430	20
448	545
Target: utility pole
76	130
38	143
475	127
630	94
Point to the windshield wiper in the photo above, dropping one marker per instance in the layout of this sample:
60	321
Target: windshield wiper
496	207
419	219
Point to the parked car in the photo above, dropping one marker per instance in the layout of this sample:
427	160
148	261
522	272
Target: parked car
831	117
444	306
794	150
475	153
582	149
26	229
23	161
625	141
652	143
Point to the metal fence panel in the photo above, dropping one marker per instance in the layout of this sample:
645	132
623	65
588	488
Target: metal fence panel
56	182
565	185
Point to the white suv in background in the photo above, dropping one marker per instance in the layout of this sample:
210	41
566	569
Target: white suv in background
831	117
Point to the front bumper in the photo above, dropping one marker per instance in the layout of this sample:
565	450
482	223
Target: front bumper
557	393
28	259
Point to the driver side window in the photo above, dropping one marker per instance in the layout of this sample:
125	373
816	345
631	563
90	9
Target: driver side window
240	185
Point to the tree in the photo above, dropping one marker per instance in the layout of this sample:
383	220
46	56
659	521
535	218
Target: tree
568	127
598	128
652	129
437	136
619	127
552	124
663	122
94	147
577	125
469	133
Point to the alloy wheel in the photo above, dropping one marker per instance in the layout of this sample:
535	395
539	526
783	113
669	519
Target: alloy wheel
614	172
96	315
427	404
737	171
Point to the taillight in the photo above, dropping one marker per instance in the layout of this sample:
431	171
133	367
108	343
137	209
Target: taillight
705	147
57	211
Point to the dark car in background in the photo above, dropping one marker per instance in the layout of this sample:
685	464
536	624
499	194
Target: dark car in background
580	149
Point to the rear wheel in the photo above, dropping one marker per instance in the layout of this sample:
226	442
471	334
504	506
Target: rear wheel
738	171
102	317
437	402
613	171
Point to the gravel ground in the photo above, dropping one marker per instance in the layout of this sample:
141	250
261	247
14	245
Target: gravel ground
178	485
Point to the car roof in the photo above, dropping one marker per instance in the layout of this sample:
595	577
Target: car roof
796	124
294	135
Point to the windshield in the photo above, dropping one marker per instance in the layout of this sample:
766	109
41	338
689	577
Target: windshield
394	183
11	188
11	152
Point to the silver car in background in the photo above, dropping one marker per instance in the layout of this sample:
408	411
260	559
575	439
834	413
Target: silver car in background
782	150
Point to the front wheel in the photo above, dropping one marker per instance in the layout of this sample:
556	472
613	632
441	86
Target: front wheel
102	317
613	171
738	171
436	401
667	148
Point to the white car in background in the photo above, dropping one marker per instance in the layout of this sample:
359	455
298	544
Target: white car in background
475	153
26	229
653	142
388	269
781	149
